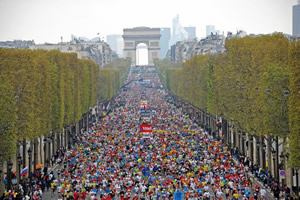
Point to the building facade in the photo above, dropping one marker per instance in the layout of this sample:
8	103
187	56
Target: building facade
178	32
98	51
210	29
186	49
164	41
17	44
296	20
116	43
135	36
191	31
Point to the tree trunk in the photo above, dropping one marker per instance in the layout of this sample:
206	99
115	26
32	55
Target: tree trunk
17	164
66	137
35	154
87	121
269	154
2	185
58	141
53	143
261	152
41	149
77	129
24	153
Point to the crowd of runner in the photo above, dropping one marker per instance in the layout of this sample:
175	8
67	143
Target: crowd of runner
113	160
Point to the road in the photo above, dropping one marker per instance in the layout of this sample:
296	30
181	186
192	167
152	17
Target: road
177	155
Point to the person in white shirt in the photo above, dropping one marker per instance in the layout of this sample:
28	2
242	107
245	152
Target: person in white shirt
219	193
263	193
206	195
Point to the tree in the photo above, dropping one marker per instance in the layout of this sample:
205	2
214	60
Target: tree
294	102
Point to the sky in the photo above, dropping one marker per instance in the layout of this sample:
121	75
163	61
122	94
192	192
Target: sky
48	20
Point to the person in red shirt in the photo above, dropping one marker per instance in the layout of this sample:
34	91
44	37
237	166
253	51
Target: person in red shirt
83	194
135	197
108	197
76	195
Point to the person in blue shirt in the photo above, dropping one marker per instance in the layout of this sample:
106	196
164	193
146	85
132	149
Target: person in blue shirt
178	195
200	191
247	193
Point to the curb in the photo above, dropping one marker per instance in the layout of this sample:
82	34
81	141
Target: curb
255	180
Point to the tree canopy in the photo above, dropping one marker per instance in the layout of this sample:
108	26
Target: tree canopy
247	85
47	90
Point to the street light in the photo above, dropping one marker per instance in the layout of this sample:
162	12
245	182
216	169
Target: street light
282	100
45	150
69	137
297	183
9	167
282	162
49	150
19	160
273	156
30	162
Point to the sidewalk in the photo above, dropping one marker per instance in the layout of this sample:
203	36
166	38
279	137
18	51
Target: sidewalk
261	185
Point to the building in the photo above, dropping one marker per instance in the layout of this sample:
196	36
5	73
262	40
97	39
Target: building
239	34
17	44
164	41
191	31
116	43
98	51
178	32
186	49
210	29
296	19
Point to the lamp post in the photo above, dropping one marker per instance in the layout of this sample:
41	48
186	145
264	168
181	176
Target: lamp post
282	163
69	134
19	160
297	182
30	162
257	151
45	150
274	166
9	167
49	149
264	148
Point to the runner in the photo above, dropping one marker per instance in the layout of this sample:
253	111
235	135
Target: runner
177	160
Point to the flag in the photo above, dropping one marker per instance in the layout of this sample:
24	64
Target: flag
24	171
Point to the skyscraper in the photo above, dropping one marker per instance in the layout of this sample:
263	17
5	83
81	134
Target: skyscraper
210	29
296	19
191	31
115	42
178	32
164	41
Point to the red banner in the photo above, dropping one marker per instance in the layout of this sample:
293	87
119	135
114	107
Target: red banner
146	128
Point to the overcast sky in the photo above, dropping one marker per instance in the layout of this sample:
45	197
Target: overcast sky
48	20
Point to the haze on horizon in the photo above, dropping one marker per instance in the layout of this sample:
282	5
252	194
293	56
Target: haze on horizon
48	20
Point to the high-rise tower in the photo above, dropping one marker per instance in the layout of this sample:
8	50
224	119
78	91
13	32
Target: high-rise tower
296	19
164	41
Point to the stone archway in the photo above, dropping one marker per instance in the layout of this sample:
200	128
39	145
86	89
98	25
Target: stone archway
134	36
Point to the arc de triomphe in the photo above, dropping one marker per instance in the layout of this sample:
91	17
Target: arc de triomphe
134	36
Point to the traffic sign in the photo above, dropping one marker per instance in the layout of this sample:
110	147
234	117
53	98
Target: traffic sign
282	173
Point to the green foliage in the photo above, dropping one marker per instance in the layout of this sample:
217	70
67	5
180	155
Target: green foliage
112	77
294	104
162	66
7	122
42	91
245	85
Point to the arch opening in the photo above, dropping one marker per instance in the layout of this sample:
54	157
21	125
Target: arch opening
142	54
